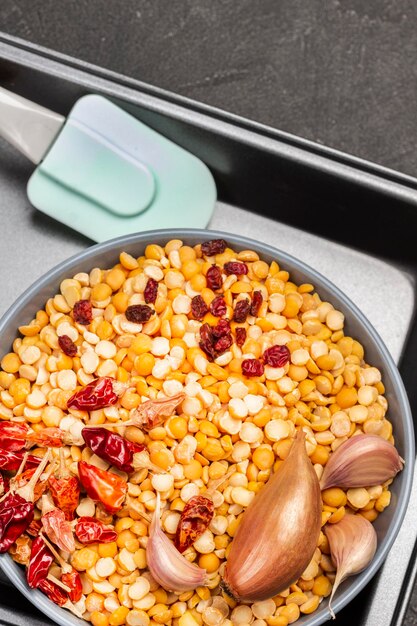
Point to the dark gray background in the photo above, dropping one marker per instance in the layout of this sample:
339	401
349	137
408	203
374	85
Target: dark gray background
339	72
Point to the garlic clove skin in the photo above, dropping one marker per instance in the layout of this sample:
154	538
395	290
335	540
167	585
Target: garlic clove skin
168	566
353	543
279	531
362	461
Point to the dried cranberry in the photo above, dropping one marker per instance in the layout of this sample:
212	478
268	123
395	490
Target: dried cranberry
252	367
218	307
198	307
151	291
235	267
221	329
257	300
67	345
276	356
139	313
83	312
223	344
240	335
241	311
207	341
215	246
214	278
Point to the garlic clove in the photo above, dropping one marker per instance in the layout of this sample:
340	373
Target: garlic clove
353	543
279	531
166	564
362	461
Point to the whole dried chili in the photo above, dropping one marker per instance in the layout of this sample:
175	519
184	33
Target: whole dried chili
98	394
4	485
56	526
152	412
65	490
40	561
91	530
103	486
17	510
13	436
73	581
112	447
11	461
54	593
194	521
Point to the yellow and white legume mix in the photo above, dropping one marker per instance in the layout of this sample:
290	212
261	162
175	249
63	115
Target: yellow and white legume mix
229	422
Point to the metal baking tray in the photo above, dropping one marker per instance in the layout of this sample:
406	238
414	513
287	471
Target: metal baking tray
350	219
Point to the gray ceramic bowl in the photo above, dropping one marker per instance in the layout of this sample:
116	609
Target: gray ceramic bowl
106	254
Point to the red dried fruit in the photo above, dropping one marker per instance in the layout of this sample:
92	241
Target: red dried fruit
67	345
214	278
83	312
276	356
218	307
207	341
240	336
222	328
223	344
151	291
257	300
215	246
241	311
252	367
139	313
198	307
235	267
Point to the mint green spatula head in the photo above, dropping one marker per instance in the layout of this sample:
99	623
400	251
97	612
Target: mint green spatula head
107	175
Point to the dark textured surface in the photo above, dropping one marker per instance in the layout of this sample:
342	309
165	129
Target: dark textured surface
339	72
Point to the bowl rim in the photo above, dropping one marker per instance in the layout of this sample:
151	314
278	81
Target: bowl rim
12	569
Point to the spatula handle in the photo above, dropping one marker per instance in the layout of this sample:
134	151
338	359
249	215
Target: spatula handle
29	127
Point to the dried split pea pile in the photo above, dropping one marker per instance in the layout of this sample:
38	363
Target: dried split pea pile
235	419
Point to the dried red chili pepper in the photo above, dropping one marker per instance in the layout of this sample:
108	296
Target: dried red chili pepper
13	436
235	267
218	306
242	310
257	300
58	529
4	485
198	307
49	438
41	560
34	528
54	593
65	490
240	335
214	278
112	447
103	486
252	367
194	521
67	345
17	509
276	356
11	461
139	313
83	312
152	412
98	394
22	479
214	246
91	530
151	291
73	581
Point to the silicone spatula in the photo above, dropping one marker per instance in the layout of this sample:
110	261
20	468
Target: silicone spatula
103	172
